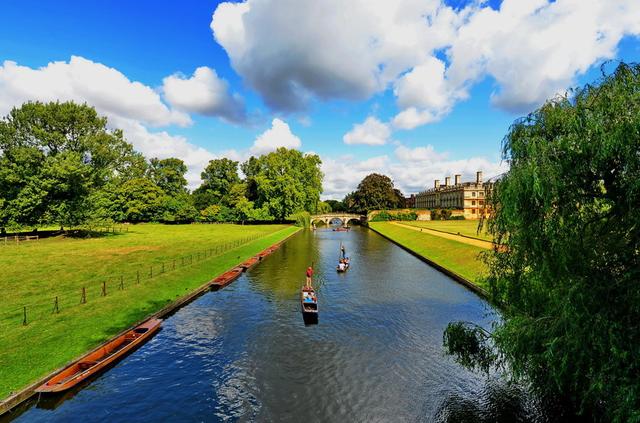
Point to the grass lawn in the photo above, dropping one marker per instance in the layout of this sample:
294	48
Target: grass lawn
455	256
32	274
464	227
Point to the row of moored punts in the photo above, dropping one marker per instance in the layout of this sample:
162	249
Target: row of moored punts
114	350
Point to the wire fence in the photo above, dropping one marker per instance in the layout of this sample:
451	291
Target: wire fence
106	286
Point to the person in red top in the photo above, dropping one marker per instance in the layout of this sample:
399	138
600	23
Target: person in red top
309	275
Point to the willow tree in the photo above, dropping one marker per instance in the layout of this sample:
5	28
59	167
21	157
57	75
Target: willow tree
568	277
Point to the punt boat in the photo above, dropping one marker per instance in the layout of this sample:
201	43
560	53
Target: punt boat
99	359
309	302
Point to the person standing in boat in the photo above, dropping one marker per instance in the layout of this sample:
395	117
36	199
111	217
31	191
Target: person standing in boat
343	251
309	275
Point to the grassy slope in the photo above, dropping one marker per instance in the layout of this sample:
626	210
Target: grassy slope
34	273
455	256
464	227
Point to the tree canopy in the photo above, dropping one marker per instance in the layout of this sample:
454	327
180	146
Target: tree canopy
60	163
567	277
375	192
284	182
52	157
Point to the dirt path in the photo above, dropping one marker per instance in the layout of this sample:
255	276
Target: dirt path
475	242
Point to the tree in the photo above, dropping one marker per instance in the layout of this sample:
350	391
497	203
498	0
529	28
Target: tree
323	207
217	179
140	200
567	277
52	157
284	182
375	192
336	206
168	174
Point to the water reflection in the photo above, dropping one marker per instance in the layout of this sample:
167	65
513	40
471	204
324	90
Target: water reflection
244	353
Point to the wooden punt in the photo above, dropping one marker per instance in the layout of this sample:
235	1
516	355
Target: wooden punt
346	267
97	360
342	229
227	277
248	264
308	301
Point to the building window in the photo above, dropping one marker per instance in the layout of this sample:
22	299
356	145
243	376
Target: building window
473	193
473	211
473	203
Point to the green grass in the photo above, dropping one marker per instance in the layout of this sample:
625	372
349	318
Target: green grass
458	257
463	227
34	273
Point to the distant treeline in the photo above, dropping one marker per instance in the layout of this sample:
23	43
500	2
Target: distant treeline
60	164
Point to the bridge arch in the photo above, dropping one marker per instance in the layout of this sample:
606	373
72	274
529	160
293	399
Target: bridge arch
344	218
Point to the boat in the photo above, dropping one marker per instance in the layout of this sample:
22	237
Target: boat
249	263
99	359
226	278
344	229
346	267
309	302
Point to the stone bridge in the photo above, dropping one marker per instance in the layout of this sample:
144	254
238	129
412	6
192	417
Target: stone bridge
344	218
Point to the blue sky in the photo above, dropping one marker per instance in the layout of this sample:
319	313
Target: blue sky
321	72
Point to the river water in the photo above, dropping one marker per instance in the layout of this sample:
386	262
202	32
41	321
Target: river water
244	353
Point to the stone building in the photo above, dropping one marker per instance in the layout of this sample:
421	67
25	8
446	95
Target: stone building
467	198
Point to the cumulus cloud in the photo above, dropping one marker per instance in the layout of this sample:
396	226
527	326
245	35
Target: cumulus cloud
128	105
419	154
290	51
369	132
535	49
412	170
204	93
430	54
279	135
82	80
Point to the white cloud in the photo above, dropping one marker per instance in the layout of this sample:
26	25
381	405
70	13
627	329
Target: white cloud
128	105
204	93
535	49
292	52
82	80
369	132
419	154
279	135
412	170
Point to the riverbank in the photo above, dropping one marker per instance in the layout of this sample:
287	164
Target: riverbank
456	259
53	337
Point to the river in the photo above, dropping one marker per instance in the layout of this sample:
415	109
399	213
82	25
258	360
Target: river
244	353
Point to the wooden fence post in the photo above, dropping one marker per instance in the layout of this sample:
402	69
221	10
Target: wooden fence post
104	288
137	276
55	306
121	282
24	319
83	298
151	272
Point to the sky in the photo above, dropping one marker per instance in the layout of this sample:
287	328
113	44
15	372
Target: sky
415	89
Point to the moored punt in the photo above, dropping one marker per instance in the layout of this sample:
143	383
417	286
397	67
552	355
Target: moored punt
97	360
345	229
309	301
248	264
227	277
